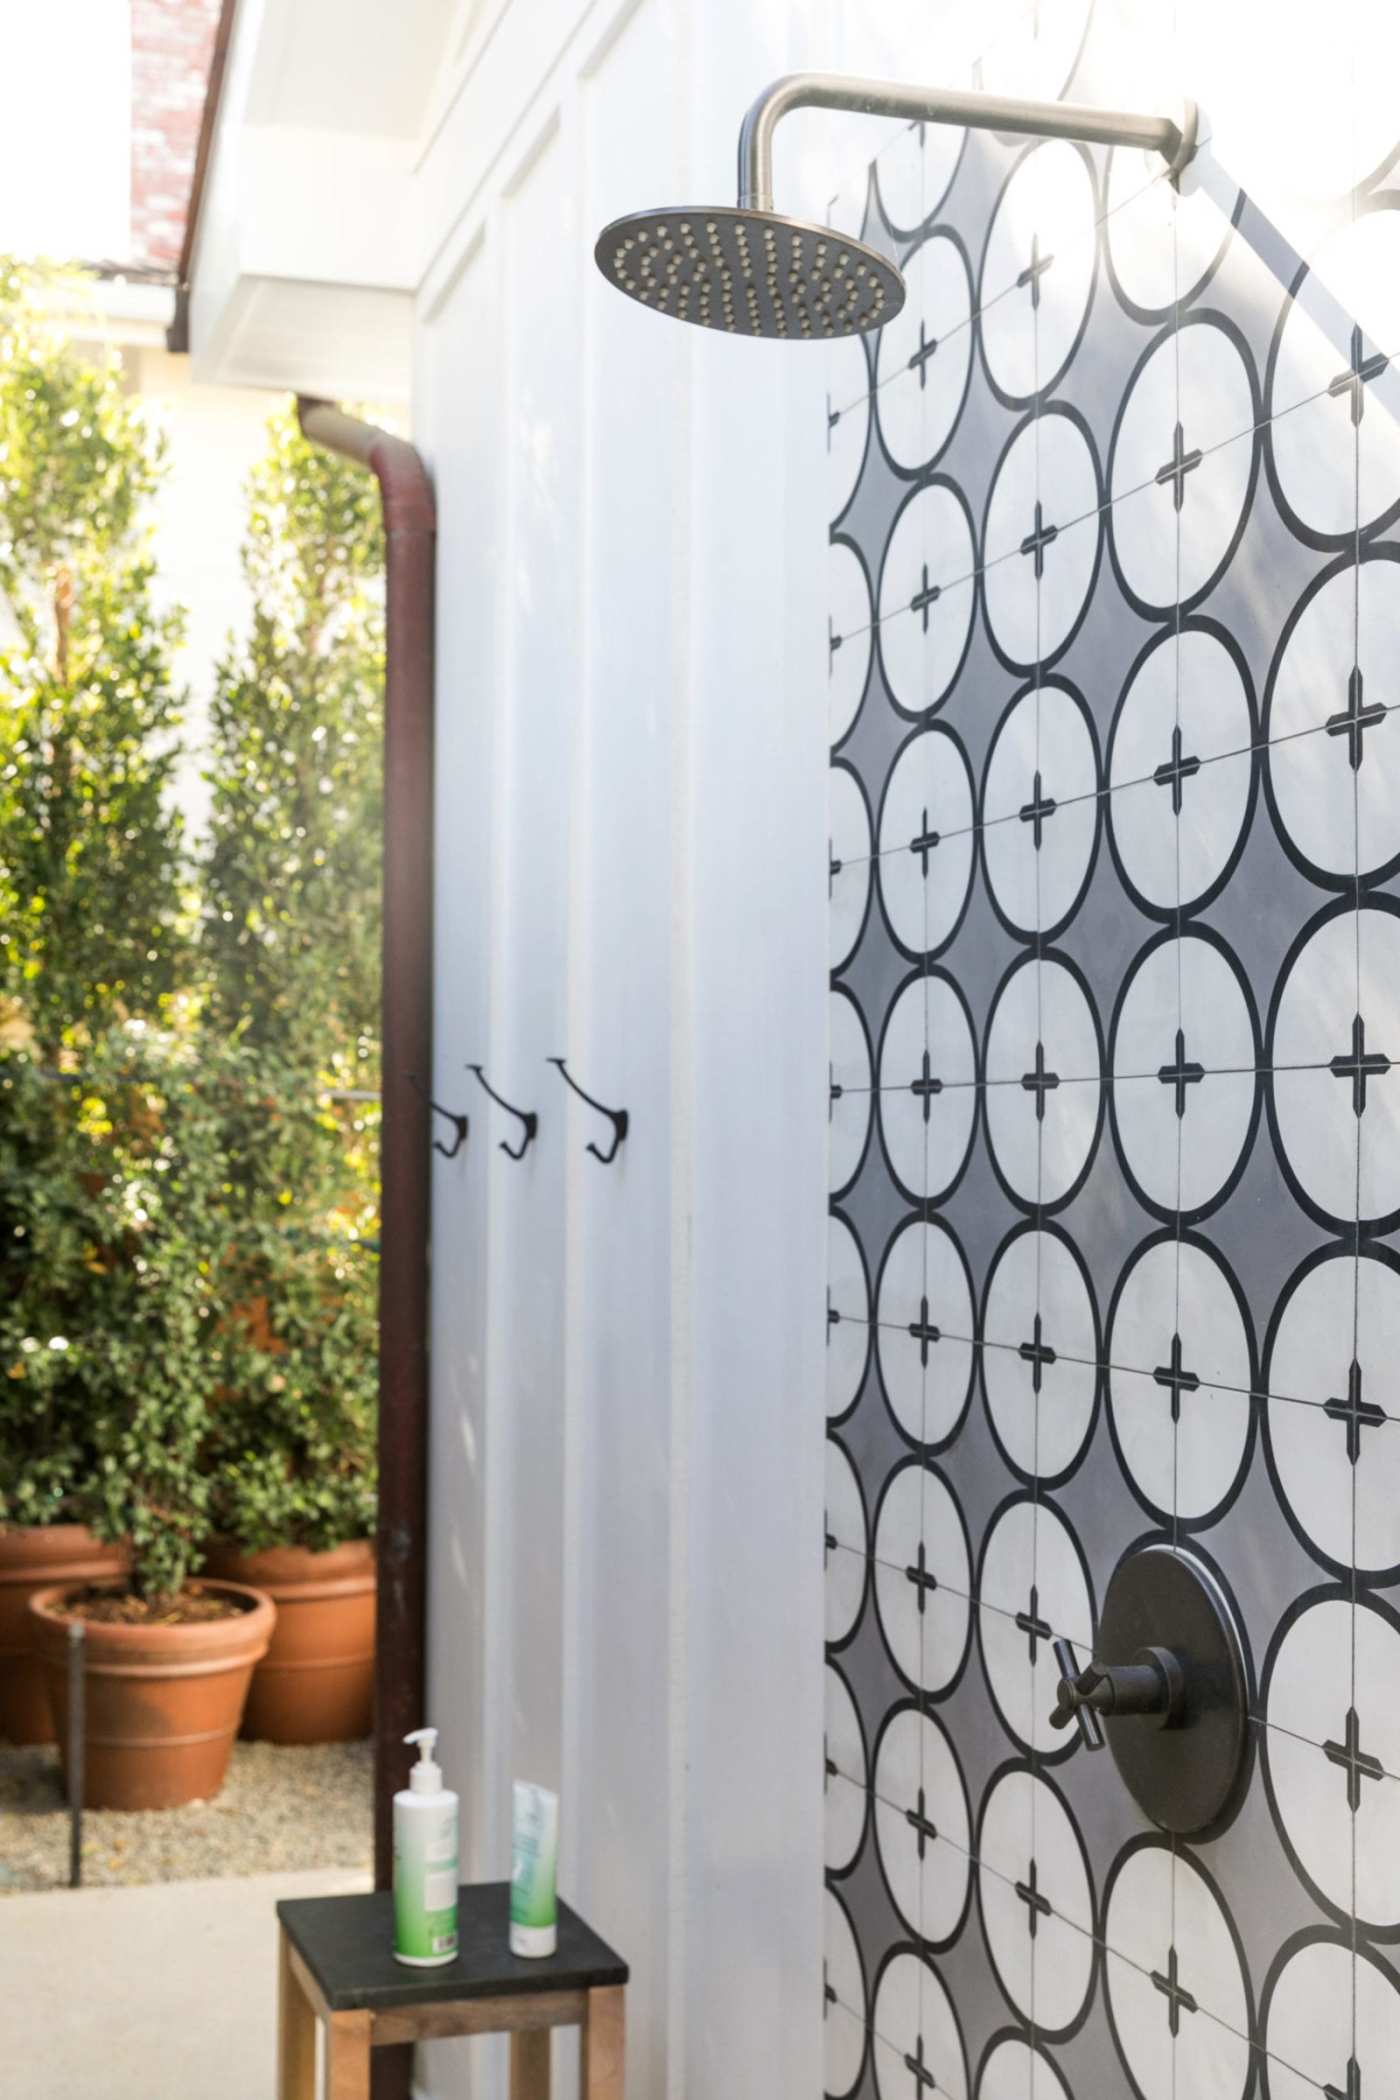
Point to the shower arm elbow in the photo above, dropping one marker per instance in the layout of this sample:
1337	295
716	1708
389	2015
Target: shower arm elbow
921	105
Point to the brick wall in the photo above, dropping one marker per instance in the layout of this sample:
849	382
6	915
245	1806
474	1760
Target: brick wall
170	45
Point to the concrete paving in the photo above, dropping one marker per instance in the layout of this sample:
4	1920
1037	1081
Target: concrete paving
157	1993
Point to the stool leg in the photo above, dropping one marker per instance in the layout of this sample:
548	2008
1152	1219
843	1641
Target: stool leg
347	2056
296	2032
529	2065
602	2053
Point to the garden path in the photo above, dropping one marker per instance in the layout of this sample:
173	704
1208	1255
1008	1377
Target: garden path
166	1992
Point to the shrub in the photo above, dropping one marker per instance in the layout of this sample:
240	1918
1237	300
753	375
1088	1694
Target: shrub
290	935
90	870
54	1229
106	1196
188	1138
187	1303
291	1440
291	917
113	1214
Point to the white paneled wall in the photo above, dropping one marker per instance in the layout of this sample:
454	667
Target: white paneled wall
627	1360
463	361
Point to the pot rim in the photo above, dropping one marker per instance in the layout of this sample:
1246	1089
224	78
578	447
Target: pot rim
301	1573
350	1549
29	1545
252	1626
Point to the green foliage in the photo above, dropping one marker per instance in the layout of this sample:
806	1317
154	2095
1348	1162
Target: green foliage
89	849
77	463
113	1216
187	1196
187	1308
290	939
291	1450
292	880
291	1442
104	1199
90	897
52	1226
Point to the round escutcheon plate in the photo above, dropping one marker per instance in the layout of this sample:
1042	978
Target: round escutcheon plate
1190	1775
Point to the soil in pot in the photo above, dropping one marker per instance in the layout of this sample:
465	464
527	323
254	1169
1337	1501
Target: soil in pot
316	1682
192	1607
164	1695
35	1557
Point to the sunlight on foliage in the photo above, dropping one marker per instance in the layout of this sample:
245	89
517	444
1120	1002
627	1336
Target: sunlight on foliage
291	914
90	873
188	1177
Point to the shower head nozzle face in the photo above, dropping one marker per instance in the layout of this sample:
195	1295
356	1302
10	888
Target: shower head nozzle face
750	273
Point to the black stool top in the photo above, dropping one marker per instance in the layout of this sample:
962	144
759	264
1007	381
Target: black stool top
347	1942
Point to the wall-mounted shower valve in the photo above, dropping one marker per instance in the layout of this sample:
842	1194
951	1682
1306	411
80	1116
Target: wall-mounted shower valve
1151	1685
1176	1714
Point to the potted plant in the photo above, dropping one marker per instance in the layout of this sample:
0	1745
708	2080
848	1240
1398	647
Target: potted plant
290	1448
89	899
168	1657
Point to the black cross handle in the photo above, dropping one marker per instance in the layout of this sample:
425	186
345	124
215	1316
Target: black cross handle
1075	1698
1151	1684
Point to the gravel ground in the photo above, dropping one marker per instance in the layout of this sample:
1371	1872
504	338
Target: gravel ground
279	1810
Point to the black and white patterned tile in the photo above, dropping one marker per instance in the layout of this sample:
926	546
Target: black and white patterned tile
1114	869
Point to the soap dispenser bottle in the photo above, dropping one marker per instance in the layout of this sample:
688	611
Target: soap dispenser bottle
425	1862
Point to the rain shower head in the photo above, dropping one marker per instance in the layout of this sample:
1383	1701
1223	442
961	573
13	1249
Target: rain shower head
750	272
747	270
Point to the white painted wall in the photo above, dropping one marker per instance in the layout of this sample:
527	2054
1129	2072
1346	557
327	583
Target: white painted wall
627	1362
216	435
626	1570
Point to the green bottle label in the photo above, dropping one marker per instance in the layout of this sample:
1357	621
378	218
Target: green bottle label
532	1877
425	1885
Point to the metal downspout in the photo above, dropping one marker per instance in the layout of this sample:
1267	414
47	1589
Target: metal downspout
410	531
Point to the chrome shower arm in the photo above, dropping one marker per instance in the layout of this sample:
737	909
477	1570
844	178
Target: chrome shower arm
889	98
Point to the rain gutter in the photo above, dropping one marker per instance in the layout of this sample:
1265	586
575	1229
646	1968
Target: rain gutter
177	336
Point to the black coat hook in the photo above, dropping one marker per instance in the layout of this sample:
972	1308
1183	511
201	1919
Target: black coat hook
460	1124
525	1116
618	1117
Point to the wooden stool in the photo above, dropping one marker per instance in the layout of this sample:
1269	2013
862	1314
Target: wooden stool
337	1965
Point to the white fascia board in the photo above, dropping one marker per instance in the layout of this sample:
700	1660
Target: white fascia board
338	341
304	231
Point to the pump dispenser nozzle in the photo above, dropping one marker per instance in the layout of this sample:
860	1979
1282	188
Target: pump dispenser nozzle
426	1776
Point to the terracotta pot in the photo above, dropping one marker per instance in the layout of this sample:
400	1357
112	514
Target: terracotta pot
163	1702
34	1557
316	1682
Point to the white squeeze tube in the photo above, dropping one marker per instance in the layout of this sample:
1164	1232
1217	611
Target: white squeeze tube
425	1862
534	1917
